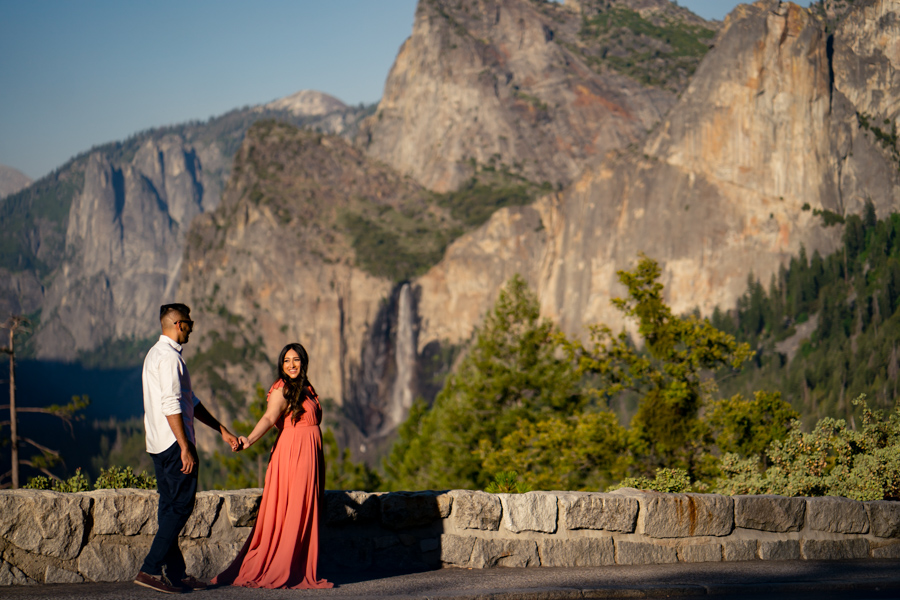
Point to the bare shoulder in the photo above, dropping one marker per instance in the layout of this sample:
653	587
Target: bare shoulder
276	397
275	392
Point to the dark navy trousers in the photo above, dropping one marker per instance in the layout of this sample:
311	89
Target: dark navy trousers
177	493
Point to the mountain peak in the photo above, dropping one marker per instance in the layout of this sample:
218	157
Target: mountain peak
308	102
12	180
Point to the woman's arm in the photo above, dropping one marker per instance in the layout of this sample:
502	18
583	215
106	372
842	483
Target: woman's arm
277	404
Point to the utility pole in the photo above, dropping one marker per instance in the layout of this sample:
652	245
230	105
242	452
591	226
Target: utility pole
14	323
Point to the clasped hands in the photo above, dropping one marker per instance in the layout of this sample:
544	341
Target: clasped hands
237	443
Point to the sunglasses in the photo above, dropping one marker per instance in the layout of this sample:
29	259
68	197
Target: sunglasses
188	322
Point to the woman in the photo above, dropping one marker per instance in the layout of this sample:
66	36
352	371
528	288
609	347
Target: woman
283	548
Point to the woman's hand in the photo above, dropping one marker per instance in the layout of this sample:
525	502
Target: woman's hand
244	442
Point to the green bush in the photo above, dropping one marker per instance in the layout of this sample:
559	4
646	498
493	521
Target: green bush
672	481
112	478
40	483
76	483
118	478
831	460
475	202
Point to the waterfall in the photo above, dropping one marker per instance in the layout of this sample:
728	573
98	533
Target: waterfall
405	357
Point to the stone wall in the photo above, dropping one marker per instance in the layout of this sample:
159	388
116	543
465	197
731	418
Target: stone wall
48	537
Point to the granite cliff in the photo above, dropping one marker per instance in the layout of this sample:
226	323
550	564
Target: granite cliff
94	247
781	124
719	150
279	261
533	77
544	88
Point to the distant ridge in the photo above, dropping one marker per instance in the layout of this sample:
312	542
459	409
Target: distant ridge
138	196
308	103
12	180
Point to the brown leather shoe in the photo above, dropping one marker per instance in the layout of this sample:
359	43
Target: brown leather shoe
192	583
158	583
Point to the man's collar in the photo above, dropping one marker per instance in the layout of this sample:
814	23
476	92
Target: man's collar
171	342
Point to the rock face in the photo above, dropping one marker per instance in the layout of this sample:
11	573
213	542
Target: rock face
780	119
44	523
308	102
100	241
684	515
125	238
510	81
473	75
766	130
276	264
331	114
12	180
838	515
529	512
884	518
611	512
769	513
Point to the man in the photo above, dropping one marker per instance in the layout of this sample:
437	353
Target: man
170	407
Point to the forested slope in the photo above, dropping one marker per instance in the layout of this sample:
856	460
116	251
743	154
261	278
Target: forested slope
826	328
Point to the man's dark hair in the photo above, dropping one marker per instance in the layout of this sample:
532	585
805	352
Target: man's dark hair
182	310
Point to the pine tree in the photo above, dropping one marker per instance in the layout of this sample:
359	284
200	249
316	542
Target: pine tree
511	374
666	431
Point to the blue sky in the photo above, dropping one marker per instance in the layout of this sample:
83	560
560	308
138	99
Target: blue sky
74	74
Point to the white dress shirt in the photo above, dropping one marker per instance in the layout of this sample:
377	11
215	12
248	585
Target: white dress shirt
167	391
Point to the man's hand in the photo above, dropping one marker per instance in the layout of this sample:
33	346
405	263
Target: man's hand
188	452
188	458
231	440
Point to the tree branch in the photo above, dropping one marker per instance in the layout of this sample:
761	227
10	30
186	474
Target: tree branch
31	409
43	449
41	469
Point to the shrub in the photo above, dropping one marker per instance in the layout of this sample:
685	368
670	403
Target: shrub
109	479
831	460
118	478
76	483
672	481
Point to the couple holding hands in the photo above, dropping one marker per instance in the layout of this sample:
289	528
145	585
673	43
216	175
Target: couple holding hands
283	548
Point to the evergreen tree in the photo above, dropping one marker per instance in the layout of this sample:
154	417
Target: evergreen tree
342	472
747	427
585	451
667	430
511	375
852	296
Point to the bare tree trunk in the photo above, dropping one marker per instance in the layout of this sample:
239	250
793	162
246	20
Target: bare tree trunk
14	323
13	427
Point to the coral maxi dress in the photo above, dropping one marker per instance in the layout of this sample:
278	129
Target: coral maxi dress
283	548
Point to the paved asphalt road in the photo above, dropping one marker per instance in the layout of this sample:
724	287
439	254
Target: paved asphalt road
771	580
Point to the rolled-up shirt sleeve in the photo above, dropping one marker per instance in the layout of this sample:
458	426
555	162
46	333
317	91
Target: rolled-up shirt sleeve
170	385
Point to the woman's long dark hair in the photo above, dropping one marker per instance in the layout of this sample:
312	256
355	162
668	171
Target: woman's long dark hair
294	389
